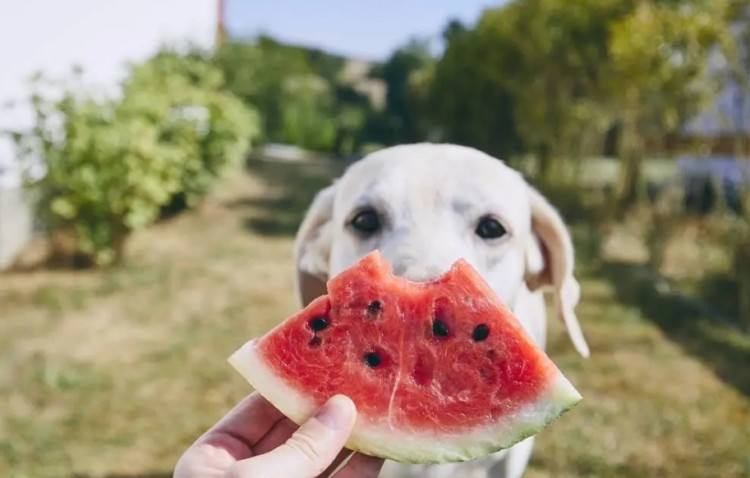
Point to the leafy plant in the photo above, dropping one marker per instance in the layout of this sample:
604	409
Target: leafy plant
104	169
184	94
106	166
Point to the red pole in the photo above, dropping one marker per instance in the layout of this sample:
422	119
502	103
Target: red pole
220	21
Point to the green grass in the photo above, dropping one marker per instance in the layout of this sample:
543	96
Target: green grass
114	373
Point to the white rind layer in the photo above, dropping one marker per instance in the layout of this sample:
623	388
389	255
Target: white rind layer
406	446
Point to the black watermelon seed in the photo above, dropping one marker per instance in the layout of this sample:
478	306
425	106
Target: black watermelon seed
480	333
315	341
374	308
439	328
318	323
372	359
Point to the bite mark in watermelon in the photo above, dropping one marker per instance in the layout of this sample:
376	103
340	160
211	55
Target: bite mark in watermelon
440	371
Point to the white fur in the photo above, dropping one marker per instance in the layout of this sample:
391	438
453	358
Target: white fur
431	197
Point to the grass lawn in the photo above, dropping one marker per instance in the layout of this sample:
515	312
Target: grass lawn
114	373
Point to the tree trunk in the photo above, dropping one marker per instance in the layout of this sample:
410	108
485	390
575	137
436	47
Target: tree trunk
118	248
631	160
627	187
120	235
544	165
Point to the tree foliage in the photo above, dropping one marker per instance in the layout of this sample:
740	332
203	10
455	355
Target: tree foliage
550	77
292	87
184	96
546	77
661	77
307	113
402	98
258	74
466	102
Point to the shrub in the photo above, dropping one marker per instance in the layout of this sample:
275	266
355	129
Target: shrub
110	165
184	94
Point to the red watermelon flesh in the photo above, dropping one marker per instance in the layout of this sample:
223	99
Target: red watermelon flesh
440	371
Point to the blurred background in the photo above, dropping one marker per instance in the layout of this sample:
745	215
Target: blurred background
157	156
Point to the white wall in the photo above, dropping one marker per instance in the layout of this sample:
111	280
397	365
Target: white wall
16	223
99	35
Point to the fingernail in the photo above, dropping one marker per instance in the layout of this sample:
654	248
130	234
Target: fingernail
336	413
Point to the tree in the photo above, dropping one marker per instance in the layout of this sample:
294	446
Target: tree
558	75
466	102
307	113
298	91
400	106
352	109
662	76
530	70
257	72
454	27
552	60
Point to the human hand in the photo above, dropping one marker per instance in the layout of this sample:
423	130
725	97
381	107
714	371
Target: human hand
256	440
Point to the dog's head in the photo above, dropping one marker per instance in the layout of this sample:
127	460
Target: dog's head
424	206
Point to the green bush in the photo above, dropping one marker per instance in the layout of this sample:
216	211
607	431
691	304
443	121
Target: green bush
112	164
184	94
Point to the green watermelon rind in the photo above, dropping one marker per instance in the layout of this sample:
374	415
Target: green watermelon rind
408	447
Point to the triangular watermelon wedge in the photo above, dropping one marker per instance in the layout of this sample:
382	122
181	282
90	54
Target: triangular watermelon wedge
440	371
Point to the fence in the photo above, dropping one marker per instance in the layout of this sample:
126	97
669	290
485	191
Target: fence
16	223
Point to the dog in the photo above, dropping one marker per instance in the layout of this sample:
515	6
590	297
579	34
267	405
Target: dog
424	206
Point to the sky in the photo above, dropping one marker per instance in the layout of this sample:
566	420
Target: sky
364	29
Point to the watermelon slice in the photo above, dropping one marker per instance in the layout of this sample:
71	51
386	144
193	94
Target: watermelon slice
440	371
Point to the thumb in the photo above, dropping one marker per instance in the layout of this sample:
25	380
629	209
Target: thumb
310	450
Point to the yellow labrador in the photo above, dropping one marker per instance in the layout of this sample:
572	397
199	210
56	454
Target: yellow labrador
426	205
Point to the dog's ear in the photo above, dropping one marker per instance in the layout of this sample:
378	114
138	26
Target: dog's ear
549	264
312	247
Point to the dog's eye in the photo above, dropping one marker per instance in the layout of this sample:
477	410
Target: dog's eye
366	222
489	228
